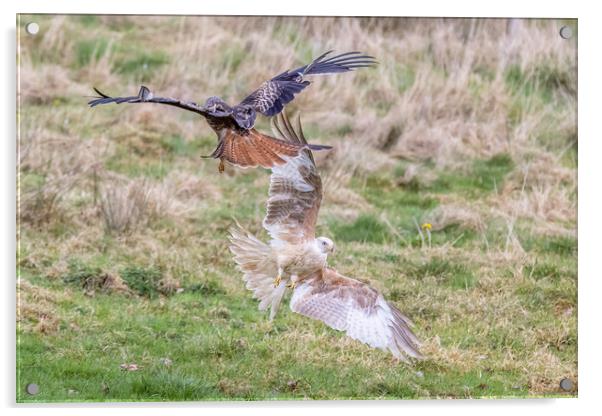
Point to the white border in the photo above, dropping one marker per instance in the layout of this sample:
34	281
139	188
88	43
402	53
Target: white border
590	72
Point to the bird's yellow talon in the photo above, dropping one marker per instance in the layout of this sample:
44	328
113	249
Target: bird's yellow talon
277	281
292	285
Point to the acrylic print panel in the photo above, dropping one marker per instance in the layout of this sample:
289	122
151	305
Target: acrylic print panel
447	198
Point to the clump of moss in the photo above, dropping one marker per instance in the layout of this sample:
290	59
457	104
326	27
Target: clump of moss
145	281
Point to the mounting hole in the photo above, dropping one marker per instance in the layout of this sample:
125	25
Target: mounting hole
32	28
566	32
32	388
566	384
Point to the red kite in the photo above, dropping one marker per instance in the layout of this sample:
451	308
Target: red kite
238	142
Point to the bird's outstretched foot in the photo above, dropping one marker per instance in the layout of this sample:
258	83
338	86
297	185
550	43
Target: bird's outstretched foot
221	166
277	280
292	284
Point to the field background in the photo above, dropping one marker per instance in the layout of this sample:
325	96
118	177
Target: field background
469	125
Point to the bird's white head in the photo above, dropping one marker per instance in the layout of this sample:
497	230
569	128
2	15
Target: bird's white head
326	245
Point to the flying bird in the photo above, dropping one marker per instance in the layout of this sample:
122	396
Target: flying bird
295	258
238	141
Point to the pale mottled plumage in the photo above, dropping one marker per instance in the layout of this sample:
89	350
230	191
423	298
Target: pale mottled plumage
357	309
319	292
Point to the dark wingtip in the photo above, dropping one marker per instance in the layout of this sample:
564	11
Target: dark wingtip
98	100
318	147
328	52
103	95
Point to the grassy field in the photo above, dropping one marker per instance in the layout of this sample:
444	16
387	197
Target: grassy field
469	125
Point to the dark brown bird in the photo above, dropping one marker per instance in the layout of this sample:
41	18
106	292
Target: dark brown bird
238	141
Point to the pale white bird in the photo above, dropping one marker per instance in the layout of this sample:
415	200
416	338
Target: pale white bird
296	259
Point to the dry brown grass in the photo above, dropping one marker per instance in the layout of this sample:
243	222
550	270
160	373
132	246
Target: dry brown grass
123	186
36	308
442	116
126	207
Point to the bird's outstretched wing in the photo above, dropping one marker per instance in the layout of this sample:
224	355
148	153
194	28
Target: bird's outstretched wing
273	95
146	96
295	190
360	311
254	149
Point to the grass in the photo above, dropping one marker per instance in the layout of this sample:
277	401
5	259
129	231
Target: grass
123	256
365	229
483	176
142	65
142	280
90	50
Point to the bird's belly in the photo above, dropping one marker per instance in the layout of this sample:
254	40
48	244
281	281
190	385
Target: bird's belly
305	261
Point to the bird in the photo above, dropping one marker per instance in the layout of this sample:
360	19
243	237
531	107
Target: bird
239	143
271	97
296	259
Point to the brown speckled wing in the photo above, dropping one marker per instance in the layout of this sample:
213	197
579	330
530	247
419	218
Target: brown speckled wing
271	97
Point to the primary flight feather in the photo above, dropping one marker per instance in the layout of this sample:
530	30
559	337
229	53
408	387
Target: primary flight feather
296	259
238	141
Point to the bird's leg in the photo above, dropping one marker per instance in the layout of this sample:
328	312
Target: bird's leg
278	278
293	283
221	166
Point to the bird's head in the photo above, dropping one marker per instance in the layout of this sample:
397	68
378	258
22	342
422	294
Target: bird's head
217	107
245	116
326	245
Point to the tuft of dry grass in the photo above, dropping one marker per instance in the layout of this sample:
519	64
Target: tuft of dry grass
451	215
36	310
125	207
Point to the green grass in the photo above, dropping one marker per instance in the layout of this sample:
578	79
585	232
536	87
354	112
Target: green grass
220	347
88	20
143	280
405	77
494	301
453	274
483	176
90	50
365	229
215	352
142	64
83	275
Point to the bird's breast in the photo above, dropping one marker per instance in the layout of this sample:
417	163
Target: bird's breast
305	259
